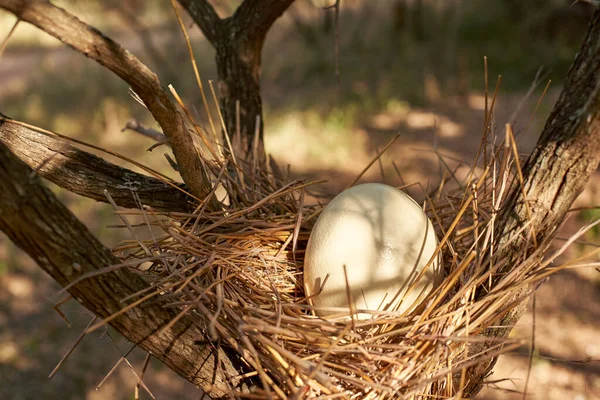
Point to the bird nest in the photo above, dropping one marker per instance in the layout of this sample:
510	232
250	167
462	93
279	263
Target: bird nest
238	272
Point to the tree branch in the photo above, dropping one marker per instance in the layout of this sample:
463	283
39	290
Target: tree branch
238	41
88	175
36	221
568	150
567	154
92	43
255	17
252	19
205	16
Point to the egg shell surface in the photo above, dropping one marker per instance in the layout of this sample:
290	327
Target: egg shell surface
384	239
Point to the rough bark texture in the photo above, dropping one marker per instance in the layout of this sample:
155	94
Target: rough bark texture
93	44
238	41
88	175
567	153
36	221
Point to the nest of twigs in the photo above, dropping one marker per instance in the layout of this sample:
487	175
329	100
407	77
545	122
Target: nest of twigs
238	272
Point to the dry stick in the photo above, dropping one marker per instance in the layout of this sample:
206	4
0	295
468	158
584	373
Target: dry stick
577	235
128	225
485	88
194	124
146	223
537	106
196	301
284	190
71	349
450	171
405	186
532	87
298	223
5	41
124	359
521	178
584	208
110	268
387	146
114	367
254	144
195	67
159	137
213	318
380	165
349	299
445	238
140	382
475	209
487	121
129	307
56	308
531	351
200	210
287	241
144	366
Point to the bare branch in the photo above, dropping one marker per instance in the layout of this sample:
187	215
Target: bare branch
88	175
136	126
92	43
36	221
255	17
205	16
252	19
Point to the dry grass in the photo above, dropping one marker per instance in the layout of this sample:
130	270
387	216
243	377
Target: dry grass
238	272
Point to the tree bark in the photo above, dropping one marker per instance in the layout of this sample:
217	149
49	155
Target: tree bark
238	41
567	154
36	221
88	175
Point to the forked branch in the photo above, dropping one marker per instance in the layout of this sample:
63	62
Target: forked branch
252	19
93	44
36	221
205	16
255	17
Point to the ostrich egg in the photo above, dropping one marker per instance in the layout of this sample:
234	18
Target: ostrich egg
384	239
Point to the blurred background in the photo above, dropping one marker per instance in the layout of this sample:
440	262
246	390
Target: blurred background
413	67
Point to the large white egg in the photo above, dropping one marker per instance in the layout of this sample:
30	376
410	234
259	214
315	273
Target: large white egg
384	239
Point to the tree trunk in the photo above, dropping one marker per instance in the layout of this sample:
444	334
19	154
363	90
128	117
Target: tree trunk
238	65
567	154
238	41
